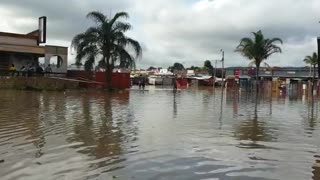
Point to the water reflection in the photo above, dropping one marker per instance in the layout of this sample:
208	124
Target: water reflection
156	134
311	115
100	134
253	129
316	168
175	108
232	98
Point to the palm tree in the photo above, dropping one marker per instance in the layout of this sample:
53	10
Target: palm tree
312	61
107	41
258	49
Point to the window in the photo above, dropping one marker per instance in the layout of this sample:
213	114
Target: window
56	61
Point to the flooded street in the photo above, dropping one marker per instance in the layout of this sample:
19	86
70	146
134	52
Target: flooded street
157	134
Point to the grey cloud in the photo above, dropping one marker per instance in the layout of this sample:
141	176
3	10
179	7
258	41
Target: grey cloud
223	24
65	18
187	31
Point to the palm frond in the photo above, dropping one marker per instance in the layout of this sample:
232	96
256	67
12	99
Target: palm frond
136	47
117	16
97	16
258	48
312	60
88	65
124	57
121	27
275	40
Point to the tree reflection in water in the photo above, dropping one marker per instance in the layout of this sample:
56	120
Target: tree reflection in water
98	130
33	122
312	114
254	129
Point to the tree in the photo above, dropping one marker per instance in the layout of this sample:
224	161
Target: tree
151	68
208	66
176	66
258	49
312	61
195	68
107	41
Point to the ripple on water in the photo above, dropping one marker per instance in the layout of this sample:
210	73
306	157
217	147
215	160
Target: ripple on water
157	134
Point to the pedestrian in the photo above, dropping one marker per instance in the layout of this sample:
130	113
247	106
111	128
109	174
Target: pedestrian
39	71
48	69
12	69
142	82
31	70
23	70
174	82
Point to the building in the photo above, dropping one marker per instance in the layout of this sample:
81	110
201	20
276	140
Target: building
275	72
27	49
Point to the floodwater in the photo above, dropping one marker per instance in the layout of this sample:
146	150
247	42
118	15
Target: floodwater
157	134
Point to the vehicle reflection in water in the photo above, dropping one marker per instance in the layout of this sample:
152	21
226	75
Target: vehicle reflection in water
198	133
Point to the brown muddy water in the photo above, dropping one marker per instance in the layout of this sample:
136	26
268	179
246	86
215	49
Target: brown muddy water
157	134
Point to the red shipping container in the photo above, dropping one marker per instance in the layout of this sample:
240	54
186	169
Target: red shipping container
182	83
119	80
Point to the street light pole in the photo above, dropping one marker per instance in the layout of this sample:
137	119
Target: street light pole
215	69
222	60
215	72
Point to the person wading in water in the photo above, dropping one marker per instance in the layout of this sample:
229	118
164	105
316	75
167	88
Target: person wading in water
142	82
174	82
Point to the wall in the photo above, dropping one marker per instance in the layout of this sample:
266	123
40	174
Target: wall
37	83
51	51
76	74
18	41
119	80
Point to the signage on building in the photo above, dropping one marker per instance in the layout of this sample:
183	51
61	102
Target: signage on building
42	29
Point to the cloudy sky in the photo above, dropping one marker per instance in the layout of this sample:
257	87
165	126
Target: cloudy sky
186	31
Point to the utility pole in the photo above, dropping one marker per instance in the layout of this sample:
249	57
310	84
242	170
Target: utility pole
222	60
215	68
318	43
215	72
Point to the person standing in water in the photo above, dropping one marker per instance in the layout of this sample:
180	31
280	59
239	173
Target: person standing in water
174	82
142	82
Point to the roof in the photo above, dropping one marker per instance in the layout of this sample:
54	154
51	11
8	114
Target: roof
27	36
201	77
